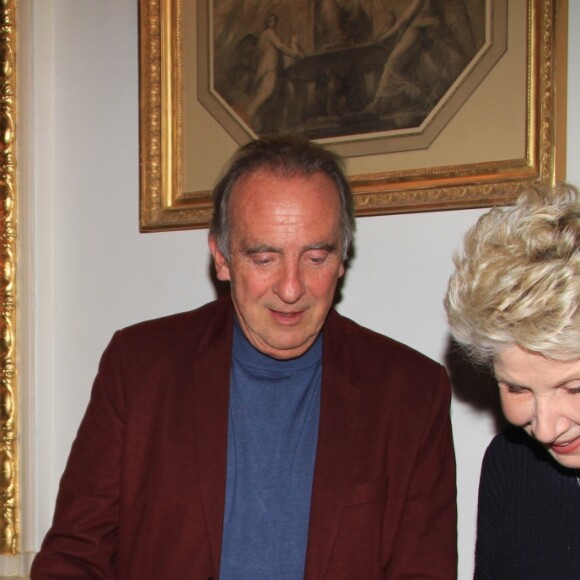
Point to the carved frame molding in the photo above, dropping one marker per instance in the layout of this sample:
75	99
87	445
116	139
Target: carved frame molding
9	496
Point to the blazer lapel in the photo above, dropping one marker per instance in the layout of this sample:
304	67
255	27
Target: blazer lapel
211	377
334	455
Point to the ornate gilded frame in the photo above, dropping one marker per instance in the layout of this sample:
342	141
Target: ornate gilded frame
9	496
166	205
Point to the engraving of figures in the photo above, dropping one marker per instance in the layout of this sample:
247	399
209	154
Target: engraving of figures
342	23
332	68
270	65
432	44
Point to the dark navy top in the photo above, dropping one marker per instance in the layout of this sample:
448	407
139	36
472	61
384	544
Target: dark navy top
528	524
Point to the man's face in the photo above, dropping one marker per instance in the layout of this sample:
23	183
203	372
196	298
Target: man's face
285	258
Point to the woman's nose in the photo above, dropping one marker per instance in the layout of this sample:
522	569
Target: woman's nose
548	421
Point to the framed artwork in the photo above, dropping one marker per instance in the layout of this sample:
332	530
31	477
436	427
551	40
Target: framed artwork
433	104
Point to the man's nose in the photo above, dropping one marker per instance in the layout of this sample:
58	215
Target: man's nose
289	285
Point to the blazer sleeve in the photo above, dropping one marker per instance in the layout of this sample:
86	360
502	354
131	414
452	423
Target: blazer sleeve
82	542
426	544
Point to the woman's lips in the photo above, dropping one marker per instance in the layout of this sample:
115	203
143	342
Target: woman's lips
566	447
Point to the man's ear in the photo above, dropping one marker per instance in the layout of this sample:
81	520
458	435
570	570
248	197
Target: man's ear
222	269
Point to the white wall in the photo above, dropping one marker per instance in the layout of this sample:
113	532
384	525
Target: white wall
92	272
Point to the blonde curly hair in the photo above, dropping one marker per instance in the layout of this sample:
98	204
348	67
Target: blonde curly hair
517	280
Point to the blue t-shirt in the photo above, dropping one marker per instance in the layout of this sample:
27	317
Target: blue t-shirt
272	434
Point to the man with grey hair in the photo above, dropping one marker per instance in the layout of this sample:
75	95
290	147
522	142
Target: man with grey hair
262	435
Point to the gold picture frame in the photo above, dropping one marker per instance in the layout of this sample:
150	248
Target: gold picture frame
9	476
509	135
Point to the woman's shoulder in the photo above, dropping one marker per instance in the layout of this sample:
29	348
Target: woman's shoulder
513	451
513	456
510	435
514	442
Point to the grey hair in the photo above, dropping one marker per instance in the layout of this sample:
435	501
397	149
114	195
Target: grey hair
286	156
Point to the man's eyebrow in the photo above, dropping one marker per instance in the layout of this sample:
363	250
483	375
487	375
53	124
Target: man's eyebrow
324	246
250	250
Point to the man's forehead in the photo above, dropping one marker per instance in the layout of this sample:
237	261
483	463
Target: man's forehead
282	176
265	205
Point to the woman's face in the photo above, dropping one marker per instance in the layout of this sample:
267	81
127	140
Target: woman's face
542	396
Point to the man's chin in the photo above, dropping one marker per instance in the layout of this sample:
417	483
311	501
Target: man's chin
284	350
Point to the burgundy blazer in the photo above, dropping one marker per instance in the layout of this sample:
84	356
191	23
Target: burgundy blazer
142	495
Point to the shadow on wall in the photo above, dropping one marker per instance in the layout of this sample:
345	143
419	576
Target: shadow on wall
473	384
